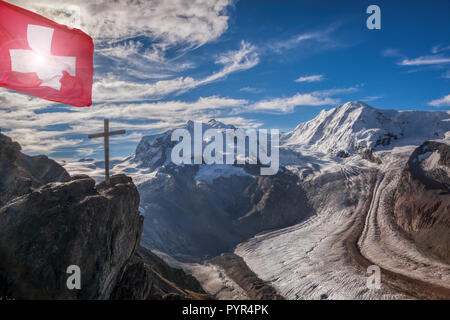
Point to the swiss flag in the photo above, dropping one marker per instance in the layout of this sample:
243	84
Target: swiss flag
43	58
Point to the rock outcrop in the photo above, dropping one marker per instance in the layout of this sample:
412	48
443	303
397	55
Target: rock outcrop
47	227
97	228
146	276
422	205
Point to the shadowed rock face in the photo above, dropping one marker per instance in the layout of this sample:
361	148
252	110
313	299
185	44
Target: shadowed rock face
148	277
97	228
422	206
20	173
187	219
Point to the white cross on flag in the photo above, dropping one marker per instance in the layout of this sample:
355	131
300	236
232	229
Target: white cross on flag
43	58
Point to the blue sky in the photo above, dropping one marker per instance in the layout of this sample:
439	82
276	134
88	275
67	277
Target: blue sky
251	63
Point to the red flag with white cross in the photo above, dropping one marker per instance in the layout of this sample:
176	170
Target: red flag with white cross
43	58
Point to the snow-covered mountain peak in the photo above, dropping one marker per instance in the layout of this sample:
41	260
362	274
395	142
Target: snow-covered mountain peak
211	124
154	150
352	105
356	127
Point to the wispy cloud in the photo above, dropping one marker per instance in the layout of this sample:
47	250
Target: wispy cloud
336	91
439	48
443	102
435	59
112	89
132	59
371	98
318	39
287	105
45	129
390	52
425	60
312	78
251	90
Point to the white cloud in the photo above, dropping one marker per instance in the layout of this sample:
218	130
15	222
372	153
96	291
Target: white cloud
312	78
435	59
425	60
244	58
315	39
127	67
391	53
371	98
443	102
286	105
167	22
34	126
439	48
39	141
240	122
133	59
41	128
121	27
446	75
15	101
336	91
251	90
111	89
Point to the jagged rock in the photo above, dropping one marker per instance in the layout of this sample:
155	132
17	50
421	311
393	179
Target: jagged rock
20	173
147	276
368	155
63	224
342	154
236	268
422	205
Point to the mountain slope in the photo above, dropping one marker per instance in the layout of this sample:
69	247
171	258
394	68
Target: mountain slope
184	216
422	207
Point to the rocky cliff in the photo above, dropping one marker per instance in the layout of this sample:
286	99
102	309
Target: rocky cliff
422	206
47	227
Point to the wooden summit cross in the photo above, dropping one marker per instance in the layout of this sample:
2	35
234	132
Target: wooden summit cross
106	134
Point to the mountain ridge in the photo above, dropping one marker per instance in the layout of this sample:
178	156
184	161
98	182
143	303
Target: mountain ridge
354	127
